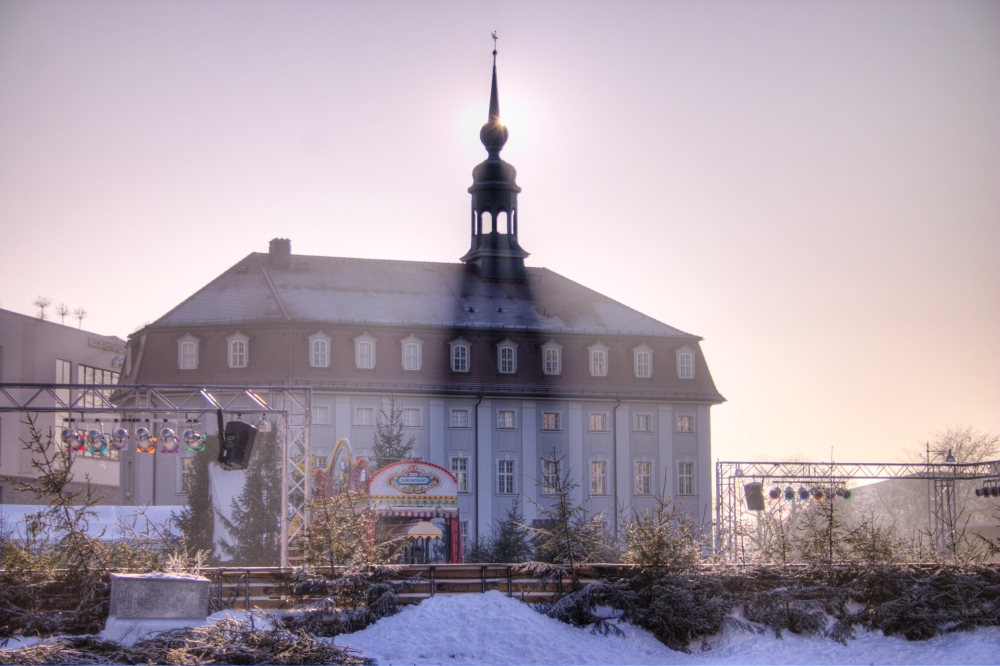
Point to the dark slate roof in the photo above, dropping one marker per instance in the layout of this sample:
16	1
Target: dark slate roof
379	291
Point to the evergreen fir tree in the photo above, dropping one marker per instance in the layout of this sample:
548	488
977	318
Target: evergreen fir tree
510	537
254	526
567	533
197	519
388	445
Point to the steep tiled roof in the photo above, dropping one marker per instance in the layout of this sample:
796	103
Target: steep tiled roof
344	290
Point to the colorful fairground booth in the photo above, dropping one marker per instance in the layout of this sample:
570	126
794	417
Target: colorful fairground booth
416	503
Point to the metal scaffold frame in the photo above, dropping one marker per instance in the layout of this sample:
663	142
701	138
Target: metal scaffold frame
730	500
292	405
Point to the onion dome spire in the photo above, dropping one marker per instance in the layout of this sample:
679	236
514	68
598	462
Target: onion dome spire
494	134
494	250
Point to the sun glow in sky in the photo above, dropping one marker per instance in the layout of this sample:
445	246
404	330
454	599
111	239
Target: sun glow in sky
812	187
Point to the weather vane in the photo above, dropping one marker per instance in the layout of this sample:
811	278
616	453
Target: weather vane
494	35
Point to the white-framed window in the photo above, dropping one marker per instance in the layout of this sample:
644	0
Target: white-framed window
643	357
685	363
552	358
550	421
185	474
643	482
460	355
364	416
463	527
413	353
598	477
410	417
321	415
459	418
239	350
319	350
599	422
685	423
460	468
642	422
505	419
507	357
187	352
364	352
685	477
550	476
598	360
505	476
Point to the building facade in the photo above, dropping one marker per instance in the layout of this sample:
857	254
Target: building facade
505	374
35	351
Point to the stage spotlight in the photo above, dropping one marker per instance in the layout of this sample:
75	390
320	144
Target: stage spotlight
789	493
982	491
96	442
803	493
844	493
119	439
69	438
754	495
168	441
995	491
143	442
774	493
194	441
817	494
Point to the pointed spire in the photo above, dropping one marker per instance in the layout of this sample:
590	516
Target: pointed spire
494	134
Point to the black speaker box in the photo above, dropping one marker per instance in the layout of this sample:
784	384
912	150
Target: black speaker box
755	496
237	445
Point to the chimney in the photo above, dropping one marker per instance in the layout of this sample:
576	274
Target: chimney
280	253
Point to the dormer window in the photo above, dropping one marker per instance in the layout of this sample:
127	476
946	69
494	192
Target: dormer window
239	350
507	357
412	353
552	358
187	352
460	355
598	360
685	363
643	357
319	350
364	352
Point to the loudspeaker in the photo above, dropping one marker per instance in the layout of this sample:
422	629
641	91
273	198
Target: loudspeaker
755	496
237	445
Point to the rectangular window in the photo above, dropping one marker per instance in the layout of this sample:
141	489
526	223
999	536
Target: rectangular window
364	416
552	361
598	363
550	420
463	526
238	354
189	355
598	477
685	478
598	423
460	358
505	477
411	417
460	468
366	354
643	364
459	418
507	360
186	471
685	423
89	375
321	462
642	423
550	476
685	365
319	354
411	356
505	418
321	415
642	480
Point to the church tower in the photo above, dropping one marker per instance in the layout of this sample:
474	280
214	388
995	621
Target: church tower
494	250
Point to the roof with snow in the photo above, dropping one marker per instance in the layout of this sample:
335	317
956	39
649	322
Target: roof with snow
347	290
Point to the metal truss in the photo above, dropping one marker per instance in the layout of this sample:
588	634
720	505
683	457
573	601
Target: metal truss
292	405
730	510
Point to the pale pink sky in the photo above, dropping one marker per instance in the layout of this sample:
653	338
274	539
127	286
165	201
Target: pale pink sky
812	187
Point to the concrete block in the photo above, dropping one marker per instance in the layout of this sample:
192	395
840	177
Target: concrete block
159	596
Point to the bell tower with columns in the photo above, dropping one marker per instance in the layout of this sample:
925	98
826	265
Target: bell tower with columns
494	250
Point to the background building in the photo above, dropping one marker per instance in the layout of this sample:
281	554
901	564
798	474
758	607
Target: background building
499	369
36	351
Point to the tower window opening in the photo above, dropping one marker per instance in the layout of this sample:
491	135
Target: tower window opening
487	222
503	222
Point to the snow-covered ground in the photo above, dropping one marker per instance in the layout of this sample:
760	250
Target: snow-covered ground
492	629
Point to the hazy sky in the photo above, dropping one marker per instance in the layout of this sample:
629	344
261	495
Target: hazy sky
812	187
